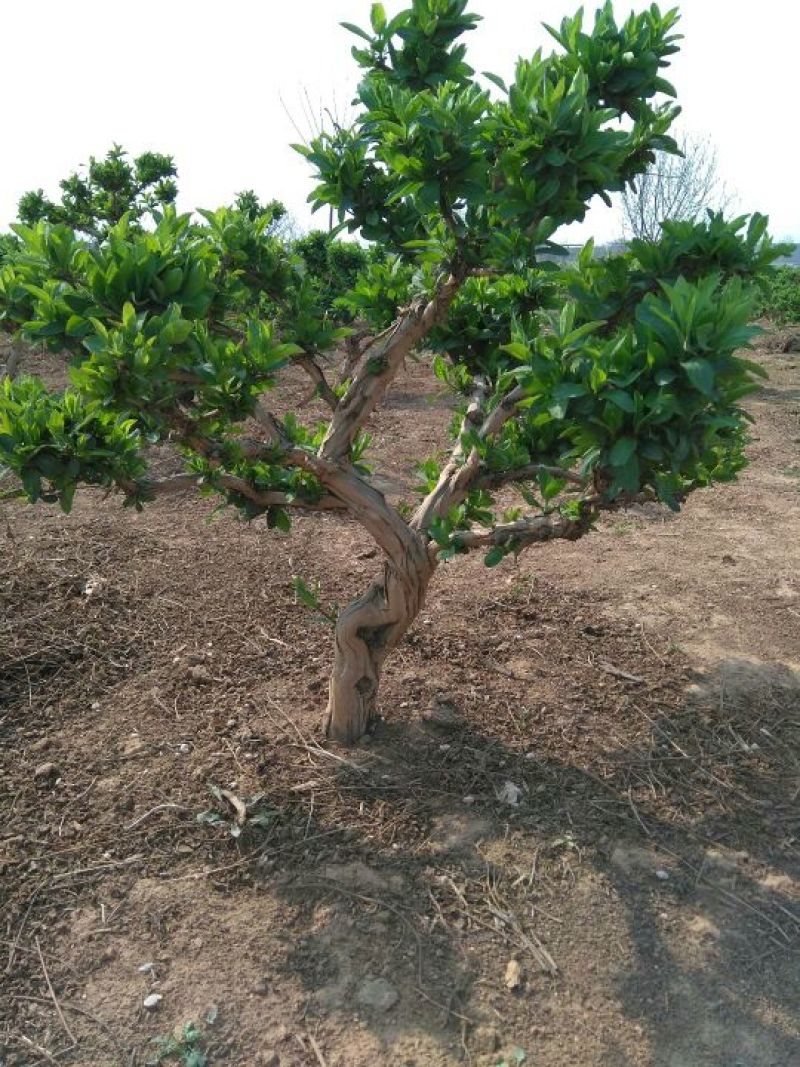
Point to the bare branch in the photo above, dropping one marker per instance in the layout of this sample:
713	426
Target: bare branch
317	375
380	365
676	188
267	421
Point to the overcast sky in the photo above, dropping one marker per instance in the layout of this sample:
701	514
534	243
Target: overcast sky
205	80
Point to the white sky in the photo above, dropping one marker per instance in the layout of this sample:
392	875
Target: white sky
203	81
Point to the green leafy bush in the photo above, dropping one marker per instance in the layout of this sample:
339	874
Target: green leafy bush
780	296
107	190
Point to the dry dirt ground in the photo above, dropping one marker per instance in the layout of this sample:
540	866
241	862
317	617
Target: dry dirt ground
389	905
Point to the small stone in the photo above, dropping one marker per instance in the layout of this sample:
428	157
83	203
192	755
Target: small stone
46	772
510	794
184	749
662	875
261	987
132	744
377	993
41	744
152	1001
146	968
199	674
513	975
468	800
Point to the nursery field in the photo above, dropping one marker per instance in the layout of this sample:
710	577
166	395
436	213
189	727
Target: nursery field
572	839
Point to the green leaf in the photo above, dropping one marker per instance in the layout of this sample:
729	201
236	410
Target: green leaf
359	33
621	399
494	556
700	373
496	79
377	17
622	451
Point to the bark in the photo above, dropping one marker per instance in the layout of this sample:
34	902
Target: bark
13	360
366	632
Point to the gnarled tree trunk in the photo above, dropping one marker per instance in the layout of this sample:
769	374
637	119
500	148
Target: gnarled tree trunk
366	631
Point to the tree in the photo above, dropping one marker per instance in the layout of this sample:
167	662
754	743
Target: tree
108	189
584	390
675	187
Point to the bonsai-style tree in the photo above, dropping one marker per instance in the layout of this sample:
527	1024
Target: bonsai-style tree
107	189
581	389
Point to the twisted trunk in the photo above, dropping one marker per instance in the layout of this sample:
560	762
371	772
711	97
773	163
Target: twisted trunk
366	632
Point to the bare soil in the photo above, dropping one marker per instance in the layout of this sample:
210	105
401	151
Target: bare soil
573	840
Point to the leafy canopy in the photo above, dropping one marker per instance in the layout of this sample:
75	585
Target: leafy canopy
98	197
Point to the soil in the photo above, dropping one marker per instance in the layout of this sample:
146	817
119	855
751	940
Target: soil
572	840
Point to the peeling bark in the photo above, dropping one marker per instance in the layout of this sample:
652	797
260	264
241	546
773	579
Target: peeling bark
366	632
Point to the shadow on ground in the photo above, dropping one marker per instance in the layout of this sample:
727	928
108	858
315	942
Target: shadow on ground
677	861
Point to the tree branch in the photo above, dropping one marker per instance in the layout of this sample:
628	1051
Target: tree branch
264	498
317	375
379	366
458	476
13	360
453	482
528	531
494	479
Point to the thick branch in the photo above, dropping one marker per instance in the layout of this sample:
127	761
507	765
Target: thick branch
454	480
458	476
528	531
380	365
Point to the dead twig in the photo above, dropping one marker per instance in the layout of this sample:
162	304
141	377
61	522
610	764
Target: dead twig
154	811
609	668
317	1050
53	996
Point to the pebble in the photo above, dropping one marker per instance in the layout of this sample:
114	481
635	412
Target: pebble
46	771
662	875
513	975
152	1001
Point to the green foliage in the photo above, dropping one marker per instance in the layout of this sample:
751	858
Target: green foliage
610	289
108	189
435	167
656	405
165	329
187	1049
779	298
51	441
380	288
333	265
